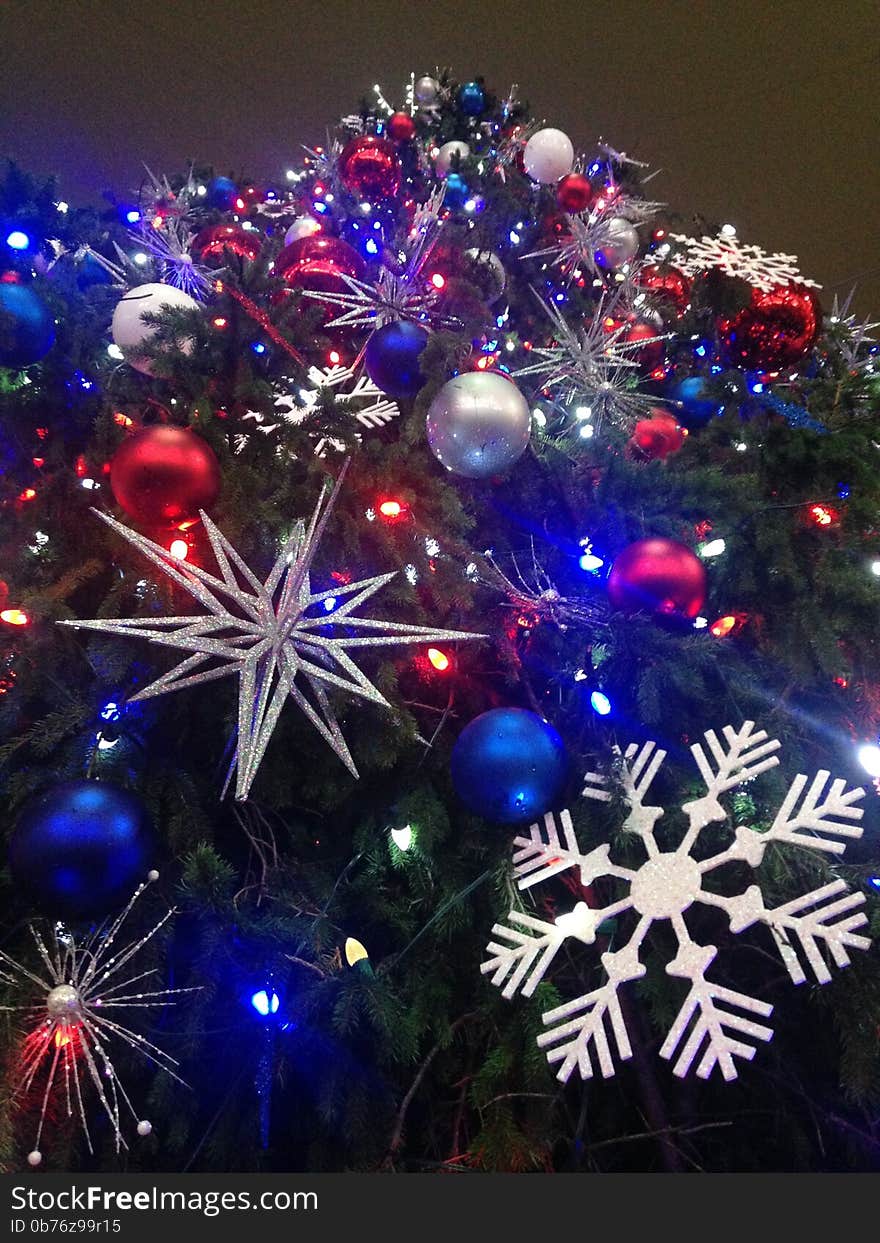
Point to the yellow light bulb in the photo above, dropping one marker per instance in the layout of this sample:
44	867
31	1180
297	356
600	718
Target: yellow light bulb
354	952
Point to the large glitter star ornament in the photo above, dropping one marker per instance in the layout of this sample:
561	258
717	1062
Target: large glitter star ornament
277	636
715	1024
729	255
75	997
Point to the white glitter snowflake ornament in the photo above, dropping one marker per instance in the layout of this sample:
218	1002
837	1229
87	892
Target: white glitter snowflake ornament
77	996
715	1024
367	405
735	258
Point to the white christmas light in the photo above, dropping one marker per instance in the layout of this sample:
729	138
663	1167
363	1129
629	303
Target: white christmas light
869	758
714	548
875	568
402	837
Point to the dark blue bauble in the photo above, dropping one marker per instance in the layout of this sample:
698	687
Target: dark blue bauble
696	409
391	358
80	848
221	192
509	766
456	190
26	328
90	272
472	99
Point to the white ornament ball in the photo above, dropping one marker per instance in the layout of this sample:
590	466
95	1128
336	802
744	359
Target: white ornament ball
426	91
492	271
620	243
144	1127
305	226
548	156
478	424
128	328
447	153
34	1158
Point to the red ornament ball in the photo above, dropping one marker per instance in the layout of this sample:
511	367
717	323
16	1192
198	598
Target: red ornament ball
369	168
574	193
317	264
401	127
164	475
775	330
658	437
658	576
650	351
670	288
214	243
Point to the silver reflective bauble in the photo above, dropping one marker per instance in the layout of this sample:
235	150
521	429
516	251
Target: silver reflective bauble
492	276
620	243
63	1002
478	424
426	91
447	153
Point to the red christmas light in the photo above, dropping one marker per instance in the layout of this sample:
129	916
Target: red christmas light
438	280
730	623
220	321
391	509
122	420
14	617
438	659
824	515
39	462
27	495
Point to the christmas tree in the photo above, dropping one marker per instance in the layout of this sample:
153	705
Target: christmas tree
513	555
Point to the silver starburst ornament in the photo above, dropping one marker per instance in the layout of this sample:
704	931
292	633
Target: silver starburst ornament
74	999
277	636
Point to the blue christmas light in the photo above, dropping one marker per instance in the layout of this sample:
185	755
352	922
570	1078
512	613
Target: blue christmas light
110	712
258	347
371	246
590	562
265	1003
17	240
600	703
320	208
133	216
843	491
874	882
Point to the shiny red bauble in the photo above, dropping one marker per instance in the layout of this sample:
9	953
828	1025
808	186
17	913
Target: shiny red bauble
649	352
656	438
669	288
164	475
658	576
317	264
369	168
775	330
214	244
574	193
401	127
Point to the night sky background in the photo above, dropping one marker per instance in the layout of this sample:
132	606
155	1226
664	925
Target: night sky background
761	114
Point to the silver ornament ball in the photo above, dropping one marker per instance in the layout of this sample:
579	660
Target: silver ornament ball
492	272
478	424
447	154
303	226
426	91
620	244
63	1002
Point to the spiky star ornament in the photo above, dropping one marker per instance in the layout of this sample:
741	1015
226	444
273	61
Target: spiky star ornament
77	993
715	1024
266	634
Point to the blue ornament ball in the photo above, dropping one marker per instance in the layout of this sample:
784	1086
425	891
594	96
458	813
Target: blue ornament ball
80	848
456	190
392	358
696	409
26	328
508	765
472	99
221	192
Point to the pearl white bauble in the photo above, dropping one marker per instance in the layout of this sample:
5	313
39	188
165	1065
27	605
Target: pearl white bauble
548	156
34	1158
128	328
492	271
446	155
63	1002
478	424
305	226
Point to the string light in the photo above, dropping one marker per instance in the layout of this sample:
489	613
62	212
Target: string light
357	957
438	659
823	515
868	756
714	548
14	617
265	1003
17	240
402	837
391	509
179	549
600	703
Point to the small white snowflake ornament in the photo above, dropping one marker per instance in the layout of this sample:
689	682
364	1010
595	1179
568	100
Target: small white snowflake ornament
715	1024
735	258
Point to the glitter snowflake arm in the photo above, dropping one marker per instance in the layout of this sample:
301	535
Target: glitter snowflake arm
527	956
542	854
735	258
639	766
709	1011
581	1023
748	753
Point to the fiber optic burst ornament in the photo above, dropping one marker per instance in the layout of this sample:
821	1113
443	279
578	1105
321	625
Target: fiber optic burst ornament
75	998
508	765
658	576
369	168
271	635
715	1024
777	329
479	424
79	847
164	475
130	330
26	329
